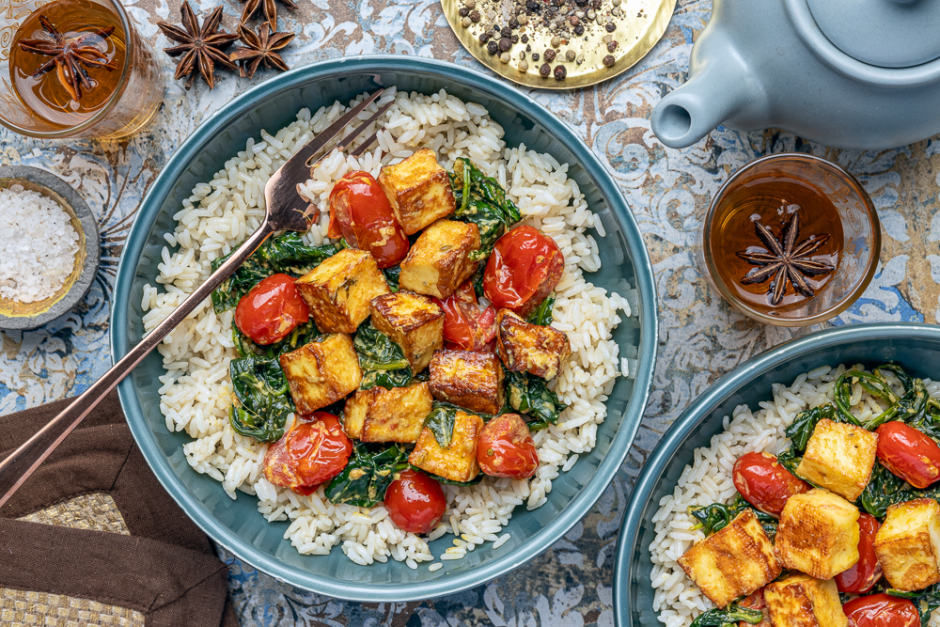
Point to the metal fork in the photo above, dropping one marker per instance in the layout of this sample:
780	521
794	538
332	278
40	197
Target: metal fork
285	210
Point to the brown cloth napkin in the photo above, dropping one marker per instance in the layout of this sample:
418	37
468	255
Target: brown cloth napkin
166	569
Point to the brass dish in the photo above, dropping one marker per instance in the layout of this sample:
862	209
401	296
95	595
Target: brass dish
639	26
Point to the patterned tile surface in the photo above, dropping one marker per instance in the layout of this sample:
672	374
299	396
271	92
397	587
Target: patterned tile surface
701	337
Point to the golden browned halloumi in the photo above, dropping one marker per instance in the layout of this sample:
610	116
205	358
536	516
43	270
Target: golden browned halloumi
839	457
339	291
468	379
908	544
539	350
818	534
414	322
397	415
418	190
439	261
355	410
732	562
321	373
802	601
457	462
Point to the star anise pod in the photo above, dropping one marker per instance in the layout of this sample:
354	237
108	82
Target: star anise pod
786	260
270	11
68	56
261	46
200	47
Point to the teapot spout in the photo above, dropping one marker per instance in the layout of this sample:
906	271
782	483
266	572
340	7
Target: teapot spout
713	95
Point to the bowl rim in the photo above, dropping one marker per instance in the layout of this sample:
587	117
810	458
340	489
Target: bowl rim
702	407
620	444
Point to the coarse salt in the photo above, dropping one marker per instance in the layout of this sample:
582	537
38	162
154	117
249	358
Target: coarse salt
39	246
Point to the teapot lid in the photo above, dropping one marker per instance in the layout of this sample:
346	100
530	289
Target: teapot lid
884	33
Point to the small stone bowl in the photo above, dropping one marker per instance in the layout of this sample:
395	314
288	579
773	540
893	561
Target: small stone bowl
17	316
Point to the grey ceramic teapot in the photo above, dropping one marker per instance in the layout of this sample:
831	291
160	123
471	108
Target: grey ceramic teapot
847	73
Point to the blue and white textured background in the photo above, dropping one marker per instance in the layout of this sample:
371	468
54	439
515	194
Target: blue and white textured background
701	337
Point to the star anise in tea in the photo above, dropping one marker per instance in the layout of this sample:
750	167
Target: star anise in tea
201	47
69	55
269	8
260	47
787	261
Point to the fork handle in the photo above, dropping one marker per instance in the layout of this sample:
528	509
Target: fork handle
21	463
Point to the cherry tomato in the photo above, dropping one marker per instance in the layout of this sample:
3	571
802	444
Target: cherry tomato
523	270
505	448
271	310
311	453
361	213
909	454
867	571
881	610
764	483
466	326
415	502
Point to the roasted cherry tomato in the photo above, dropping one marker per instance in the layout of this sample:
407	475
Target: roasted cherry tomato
466	326
271	310
523	270
415	502
764	483
881	610
867	571
360	212
505	448
909	454
311	453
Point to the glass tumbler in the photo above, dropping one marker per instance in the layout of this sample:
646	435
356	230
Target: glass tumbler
133	103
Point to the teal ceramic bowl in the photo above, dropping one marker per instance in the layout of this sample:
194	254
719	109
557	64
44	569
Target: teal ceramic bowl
237	525
914	346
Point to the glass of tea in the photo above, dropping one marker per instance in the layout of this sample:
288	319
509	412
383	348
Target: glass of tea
791	240
75	68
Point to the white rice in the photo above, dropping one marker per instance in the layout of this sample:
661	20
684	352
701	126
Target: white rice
196	393
708	480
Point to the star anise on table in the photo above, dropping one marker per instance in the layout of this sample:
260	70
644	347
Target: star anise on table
68	56
261	46
269	8
201	47
786	260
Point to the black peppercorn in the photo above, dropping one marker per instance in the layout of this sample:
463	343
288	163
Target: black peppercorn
475	16
531	5
549	55
513	23
505	44
579	30
611	46
611	27
525	39
545	70
609	60
514	39
484	37
535	56
492	47
560	72
463	12
505	31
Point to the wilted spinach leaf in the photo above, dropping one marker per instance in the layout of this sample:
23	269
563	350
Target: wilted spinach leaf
263	398
543	314
530	395
911	408
382	360
482	201
285	253
717	516
367	475
441	423
728	617
885	489
392	276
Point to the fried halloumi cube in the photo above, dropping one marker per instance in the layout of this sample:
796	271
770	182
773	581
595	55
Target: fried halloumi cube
339	291
539	350
802	601
321	373
732	562
395	415
414	322
908	544
468	379
439	261
418	190
456	462
839	457
818	534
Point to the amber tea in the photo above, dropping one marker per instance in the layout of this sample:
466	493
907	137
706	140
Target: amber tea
778	242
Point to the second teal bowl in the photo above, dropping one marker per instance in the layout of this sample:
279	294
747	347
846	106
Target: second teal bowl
237	525
914	346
